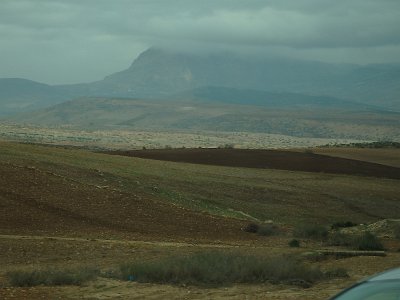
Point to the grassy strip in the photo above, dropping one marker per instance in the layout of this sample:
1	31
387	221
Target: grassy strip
219	268
51	277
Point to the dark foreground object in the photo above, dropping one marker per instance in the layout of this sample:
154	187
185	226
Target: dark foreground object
268	159
385	285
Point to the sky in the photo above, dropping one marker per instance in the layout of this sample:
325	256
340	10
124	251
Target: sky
73	41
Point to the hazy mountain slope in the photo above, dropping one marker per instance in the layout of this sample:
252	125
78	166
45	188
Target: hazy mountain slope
268	99
302	121
161	74
378	84
158	73
18	95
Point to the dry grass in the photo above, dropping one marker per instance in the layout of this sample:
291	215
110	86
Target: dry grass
51	277
219	268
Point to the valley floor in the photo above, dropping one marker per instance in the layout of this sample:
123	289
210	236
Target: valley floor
66	208
126	139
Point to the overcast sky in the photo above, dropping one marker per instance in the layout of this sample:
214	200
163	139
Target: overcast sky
70	41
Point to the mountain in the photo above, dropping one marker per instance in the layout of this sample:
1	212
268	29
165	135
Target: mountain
20	95
160	73
168	75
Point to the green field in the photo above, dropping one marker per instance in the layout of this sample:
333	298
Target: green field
282	196
71	215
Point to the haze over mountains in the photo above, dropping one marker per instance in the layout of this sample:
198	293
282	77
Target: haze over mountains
160	73
220	91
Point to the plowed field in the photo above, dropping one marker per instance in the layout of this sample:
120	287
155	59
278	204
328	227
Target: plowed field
269	159
33	201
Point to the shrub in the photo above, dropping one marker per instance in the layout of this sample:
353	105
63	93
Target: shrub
251	227
346	224
311	231
51	277
368	241
219	268
294	243
265	229
268	230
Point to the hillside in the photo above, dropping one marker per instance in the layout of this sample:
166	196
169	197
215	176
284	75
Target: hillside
309	118
21	95
133	196
210	94
43	196
70	209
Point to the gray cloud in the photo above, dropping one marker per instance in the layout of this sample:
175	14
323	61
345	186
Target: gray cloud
83	40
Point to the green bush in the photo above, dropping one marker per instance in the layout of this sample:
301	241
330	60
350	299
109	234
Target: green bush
251	227
367	241
264	229
219	268
268	230
294	243
311	232
346	224
51	277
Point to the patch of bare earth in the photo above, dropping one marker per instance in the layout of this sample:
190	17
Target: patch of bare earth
268	159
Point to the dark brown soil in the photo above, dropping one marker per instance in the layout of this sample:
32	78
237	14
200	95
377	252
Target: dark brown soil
268	159
35	202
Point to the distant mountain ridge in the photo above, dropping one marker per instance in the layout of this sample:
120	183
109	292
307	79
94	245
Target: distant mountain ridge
159	73
306	119
18	95
164	74
269	99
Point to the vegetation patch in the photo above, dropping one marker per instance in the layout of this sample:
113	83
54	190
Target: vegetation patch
263	229
51	277
219	268
368	241
294	243
269	230
344	224
311	231
365	242
251	228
